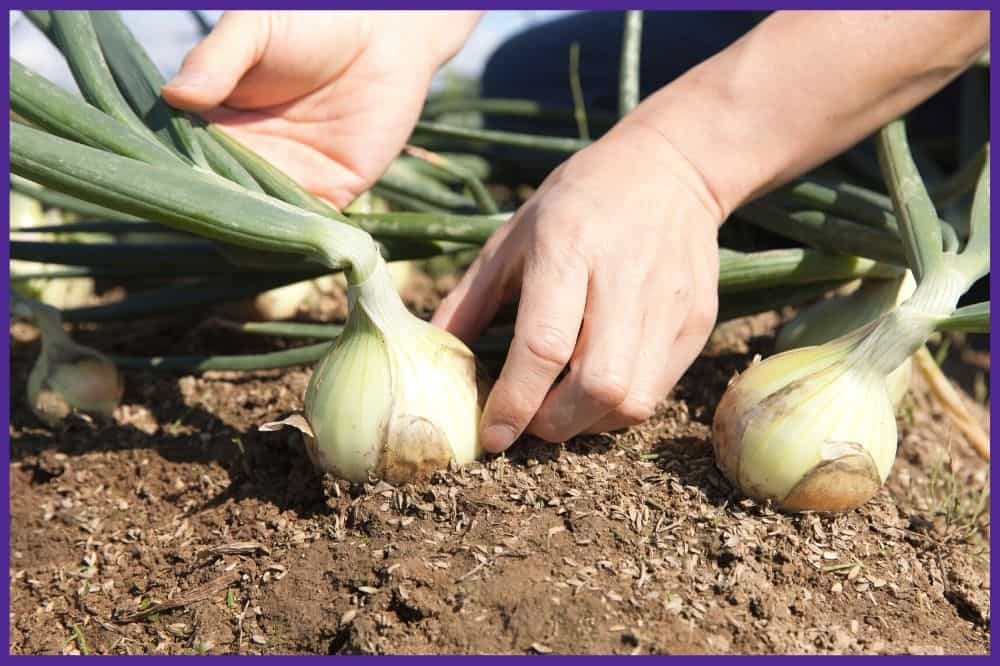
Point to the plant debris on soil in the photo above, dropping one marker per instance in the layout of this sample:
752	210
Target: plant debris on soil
179	528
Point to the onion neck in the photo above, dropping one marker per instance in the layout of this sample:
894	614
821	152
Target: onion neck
901	332
47	318
341	245
375	295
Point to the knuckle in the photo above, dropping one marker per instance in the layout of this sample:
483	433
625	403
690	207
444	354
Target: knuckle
636	410
549	345
608	389
703	318
548	432
704	313
512	408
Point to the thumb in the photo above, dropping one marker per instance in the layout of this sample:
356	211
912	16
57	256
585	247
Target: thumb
213	68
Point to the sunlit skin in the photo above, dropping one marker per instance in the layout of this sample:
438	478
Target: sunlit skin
615	257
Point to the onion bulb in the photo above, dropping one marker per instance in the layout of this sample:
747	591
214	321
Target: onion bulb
67	376
395	398
71	376
864	302
814	429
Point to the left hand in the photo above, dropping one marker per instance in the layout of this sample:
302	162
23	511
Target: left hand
616	260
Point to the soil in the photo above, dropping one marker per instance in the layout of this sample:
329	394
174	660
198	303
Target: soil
177	527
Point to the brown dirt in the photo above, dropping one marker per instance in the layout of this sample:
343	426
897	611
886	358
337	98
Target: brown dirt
628	543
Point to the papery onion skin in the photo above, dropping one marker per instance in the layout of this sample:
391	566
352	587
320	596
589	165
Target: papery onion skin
865	302
395	398
67	377
807	431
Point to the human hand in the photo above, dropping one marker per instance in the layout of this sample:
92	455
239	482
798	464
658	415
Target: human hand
329	97
616	261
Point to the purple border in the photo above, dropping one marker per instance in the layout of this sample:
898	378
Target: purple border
524	5
5	388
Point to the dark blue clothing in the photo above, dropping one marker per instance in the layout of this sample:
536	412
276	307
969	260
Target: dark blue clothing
535	65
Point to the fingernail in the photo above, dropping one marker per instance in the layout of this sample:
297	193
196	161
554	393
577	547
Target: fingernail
498	438
188	78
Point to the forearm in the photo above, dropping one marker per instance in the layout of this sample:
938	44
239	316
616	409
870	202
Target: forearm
802	87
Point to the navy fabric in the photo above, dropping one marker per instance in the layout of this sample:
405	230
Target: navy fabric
535	65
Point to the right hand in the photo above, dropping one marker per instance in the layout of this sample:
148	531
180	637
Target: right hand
328	97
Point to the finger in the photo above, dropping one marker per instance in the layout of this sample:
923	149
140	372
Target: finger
473	303
212	69
553	298
604	362
661	365
309	167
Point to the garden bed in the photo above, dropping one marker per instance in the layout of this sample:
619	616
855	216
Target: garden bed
628	543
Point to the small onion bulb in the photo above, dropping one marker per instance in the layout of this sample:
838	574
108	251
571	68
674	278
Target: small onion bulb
813	428
68	376
807	429
395	398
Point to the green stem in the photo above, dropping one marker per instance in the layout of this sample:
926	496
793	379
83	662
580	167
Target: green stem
283	329
426	226
184	201
974	260
628	86
399	178
897	335
177	298
919	228
204	27
744	304
740	272
51	108
77	39
970	319
854	203
223	163
408	203
875	211
456	170
531	141
247	362
64	274
178	258
98	227
823	231
274	181
518	108
67	203
140	82
579	104
41	19
474	164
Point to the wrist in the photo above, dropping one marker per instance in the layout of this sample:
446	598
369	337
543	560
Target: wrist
664	159
696	120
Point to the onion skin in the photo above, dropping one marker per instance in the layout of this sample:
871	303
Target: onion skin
807	431
395	398
866	301
81	379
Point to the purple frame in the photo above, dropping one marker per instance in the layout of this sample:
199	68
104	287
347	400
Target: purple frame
454	4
